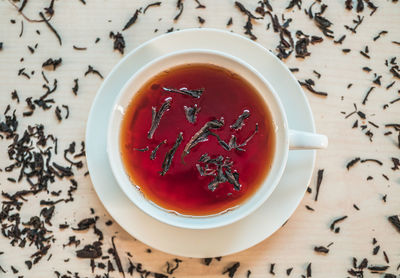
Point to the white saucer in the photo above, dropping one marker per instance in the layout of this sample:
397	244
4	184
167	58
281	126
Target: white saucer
219	241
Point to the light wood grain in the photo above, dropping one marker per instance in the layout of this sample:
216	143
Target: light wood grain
292	245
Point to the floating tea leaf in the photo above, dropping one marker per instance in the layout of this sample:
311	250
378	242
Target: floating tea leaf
239	122
170	155
193	93
154	152
191	113
157	115
202	135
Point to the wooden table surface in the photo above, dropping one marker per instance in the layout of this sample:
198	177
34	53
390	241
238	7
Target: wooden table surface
292	246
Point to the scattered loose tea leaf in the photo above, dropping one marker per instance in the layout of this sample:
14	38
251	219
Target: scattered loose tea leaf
372	160
76	86
199	5
372	7
396	164
171	268
390	85
378	268
52	62
58	114
311	89
22	29
332	226
85	224
91	70
207	261
319	181
349	4
364	54
248	27
14	95
309	208
309	274
367	94
352	163
155	4
385	256
379	35
90	251
394	219
357	22
116	257
79	48
361	114
293	3
119	42
340	40
316	39
271	269
321	249
50	27
132	20
179	5
231	270
377	80
317	74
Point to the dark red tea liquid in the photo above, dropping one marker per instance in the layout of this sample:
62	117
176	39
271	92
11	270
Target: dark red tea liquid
182	189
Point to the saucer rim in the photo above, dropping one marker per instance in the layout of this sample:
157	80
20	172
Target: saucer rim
150	241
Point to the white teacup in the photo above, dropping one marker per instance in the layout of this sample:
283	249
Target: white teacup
285	140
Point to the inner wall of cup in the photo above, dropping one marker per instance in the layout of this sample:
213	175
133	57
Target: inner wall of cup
168	62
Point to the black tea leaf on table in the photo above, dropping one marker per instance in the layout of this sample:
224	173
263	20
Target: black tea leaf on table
232	270
91	70
132	20
395	220
119	41
155	4
319	181
50	27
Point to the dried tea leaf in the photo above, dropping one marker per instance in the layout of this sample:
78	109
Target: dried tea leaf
170	155
157	115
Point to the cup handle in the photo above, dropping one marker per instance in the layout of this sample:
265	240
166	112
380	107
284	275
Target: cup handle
301	140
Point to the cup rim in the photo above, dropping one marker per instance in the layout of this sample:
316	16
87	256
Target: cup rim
226	217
